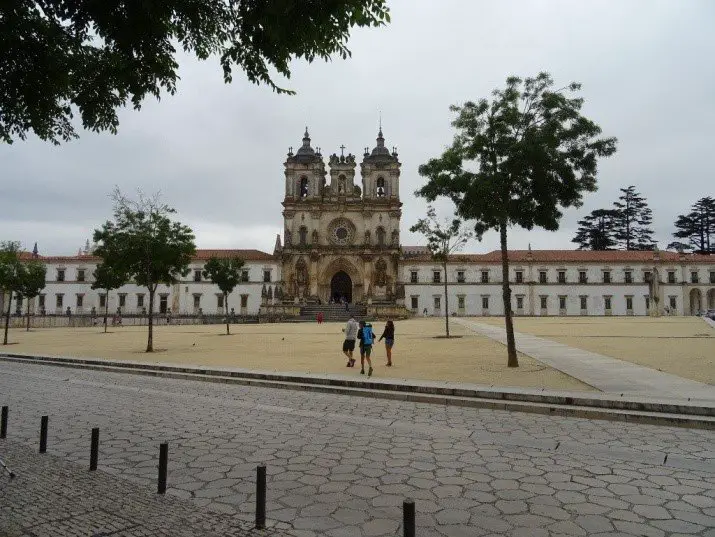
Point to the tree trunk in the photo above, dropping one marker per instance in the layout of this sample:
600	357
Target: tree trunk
7	317
106	310
27	329
150	341
225	309
513	361
446	301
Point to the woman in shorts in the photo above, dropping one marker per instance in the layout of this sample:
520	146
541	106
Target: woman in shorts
389	334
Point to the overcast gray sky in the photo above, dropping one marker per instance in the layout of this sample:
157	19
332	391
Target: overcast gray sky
216	151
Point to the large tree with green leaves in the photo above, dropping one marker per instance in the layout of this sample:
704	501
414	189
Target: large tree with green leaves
516	160
633	223
225	274
10	277
443	239
697	228
146	245
63	57
597	230
107	278
32	282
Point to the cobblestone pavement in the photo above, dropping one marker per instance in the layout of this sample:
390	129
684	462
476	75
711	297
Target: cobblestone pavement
52	497
341	465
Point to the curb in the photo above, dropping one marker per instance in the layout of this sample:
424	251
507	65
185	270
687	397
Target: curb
679	413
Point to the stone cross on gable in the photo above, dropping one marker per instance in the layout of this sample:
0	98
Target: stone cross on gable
342	149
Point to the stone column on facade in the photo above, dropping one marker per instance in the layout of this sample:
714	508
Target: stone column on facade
313	275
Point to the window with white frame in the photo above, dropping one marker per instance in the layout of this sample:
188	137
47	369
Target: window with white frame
413	276
607	303
544	301
485	302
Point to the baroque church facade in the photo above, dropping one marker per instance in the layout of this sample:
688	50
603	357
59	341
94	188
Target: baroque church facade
341	238
341	241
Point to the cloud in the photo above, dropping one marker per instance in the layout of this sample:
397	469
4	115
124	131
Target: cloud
216	151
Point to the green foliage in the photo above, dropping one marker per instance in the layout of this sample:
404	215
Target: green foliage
11	272
145	245
33	278
59	57
518	160
224	273
443	239
632	225
597	230
697	227
108	278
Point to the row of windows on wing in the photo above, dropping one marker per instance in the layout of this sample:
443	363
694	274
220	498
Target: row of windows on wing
544	302
141	301
606	277
380	190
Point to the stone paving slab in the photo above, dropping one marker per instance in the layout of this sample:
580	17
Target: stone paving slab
55	498
340	465
602	372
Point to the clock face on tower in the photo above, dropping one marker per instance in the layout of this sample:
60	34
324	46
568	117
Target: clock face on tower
342	232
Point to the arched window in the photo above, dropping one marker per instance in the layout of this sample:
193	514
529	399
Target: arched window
381	192
303	233
303	187
380	236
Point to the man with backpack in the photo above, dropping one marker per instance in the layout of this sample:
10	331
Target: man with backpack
368	338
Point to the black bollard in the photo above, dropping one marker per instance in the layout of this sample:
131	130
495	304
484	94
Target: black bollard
43	434
408	517
94	450
3	423
261	496
163	461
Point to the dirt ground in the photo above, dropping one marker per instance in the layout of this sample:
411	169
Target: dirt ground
314	348
683	346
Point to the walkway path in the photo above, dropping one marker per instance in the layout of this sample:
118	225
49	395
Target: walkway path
602	372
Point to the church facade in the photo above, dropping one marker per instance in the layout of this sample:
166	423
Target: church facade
341	241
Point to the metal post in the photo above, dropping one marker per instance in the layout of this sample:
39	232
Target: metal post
408	517
261	496
3	423
43	434
94	450
163	461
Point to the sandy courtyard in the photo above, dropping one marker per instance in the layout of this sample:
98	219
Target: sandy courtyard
683	346
305	348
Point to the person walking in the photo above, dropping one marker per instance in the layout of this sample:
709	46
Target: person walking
361	346
389	334
351	330
368	338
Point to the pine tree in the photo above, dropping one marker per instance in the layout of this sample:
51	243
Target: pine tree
597	230
632	226
697	227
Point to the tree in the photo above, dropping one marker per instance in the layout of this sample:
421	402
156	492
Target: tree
443	239
632	226
144	244
59	57
596	231
10	276
32	281
107	278
697	227
516	161
224	273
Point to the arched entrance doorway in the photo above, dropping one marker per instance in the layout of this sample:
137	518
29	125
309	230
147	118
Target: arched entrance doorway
341	287
696	302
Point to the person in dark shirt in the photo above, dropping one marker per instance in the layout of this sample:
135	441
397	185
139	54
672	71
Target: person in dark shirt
389	334
361	345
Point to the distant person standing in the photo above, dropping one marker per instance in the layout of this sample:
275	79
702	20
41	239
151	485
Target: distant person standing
389	334
351	330
320	317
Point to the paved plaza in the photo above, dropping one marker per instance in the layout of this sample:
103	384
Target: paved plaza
341	465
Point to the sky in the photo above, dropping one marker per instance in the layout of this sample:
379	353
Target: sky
216	151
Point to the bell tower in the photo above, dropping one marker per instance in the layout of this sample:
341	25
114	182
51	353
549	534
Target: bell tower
304	172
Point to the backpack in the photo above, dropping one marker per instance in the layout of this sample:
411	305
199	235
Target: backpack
368	337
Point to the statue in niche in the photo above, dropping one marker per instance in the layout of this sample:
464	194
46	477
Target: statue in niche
315	237
367	237
381	273
395	238
301	272
288	239
342	184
